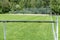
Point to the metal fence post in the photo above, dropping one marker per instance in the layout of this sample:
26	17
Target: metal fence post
4	30
57	27
53	30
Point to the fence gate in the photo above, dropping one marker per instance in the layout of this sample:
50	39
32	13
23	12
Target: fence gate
55	32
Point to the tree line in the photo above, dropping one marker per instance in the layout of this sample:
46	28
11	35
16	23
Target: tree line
11	5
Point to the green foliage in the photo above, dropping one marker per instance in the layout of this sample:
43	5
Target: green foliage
55	5
5	6
0	6
11	4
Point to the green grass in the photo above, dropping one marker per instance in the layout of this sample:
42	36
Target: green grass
27	31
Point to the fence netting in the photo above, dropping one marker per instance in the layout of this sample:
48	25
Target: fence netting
27	31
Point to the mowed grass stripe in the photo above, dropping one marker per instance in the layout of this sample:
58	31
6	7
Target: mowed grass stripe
23	17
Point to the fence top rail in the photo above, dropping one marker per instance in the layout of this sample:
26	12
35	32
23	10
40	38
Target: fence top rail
28	21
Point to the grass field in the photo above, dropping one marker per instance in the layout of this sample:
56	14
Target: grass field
27	31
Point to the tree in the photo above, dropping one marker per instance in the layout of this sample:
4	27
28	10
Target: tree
5	6
55	6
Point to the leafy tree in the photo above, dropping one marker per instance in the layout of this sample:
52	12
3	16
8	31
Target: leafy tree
55	6
5	6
